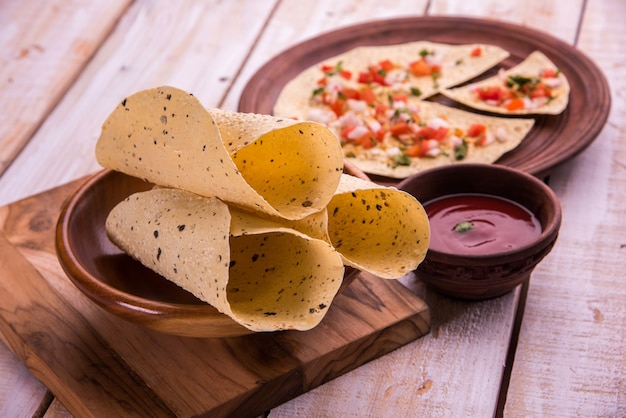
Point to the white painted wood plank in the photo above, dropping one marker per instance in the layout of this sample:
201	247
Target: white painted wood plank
43	46
296	21
571	360
455	371
559	18
21	395
194	45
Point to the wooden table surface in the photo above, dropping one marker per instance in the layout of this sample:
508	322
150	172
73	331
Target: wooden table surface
556	347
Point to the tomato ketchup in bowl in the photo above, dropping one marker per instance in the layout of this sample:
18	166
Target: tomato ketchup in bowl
479	224
490	225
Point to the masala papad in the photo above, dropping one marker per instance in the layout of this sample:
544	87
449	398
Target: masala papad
534	86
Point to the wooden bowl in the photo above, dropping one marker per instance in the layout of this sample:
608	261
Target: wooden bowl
122	285
486	276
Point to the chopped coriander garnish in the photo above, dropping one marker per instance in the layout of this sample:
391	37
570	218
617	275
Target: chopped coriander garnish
317	91
435	76
460	151
336	69
416	92
518	81
400	159
463	227
425	52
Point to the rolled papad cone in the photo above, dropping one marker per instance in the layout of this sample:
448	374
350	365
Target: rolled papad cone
278	166
381	230
263	275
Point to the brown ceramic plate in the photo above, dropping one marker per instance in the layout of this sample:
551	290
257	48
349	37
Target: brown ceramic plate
553	139
122	285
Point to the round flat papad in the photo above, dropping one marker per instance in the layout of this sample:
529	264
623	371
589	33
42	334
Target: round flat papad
263	275
511	132
457	66
278	166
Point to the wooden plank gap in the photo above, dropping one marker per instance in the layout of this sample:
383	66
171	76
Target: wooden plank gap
510	358
44	405
429	3
579	24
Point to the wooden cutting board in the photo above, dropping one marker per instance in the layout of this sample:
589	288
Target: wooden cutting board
100	365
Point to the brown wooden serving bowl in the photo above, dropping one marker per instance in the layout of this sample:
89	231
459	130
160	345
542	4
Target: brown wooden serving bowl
486	276
123	286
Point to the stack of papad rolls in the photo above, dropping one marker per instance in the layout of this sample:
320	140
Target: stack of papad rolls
251	213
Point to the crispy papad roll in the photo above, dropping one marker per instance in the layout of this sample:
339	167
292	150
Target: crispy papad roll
381	230
278	166
263	275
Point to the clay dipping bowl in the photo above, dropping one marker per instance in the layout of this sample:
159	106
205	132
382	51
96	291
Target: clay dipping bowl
484	276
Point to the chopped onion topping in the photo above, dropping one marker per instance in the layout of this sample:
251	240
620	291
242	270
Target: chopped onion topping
358	132
501	134
437	123
323	116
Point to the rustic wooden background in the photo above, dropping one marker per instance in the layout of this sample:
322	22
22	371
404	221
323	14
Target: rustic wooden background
65	64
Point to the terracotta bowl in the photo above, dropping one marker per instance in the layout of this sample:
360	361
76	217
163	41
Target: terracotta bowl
123	286
486	276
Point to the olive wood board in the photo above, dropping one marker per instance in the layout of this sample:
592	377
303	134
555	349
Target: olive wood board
100	365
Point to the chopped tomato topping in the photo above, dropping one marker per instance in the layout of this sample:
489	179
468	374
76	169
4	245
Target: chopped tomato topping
476	52
427	146
549	73
400	98
515	104
420	68
338	106
365	77
386	65
476	130
399	128
381	111
441	134
368	96
376	73
379	77
541	90
366	141
489	93
428	132
346	131
345	74
350	93
414	151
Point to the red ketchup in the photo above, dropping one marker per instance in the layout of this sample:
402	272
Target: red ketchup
479	224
